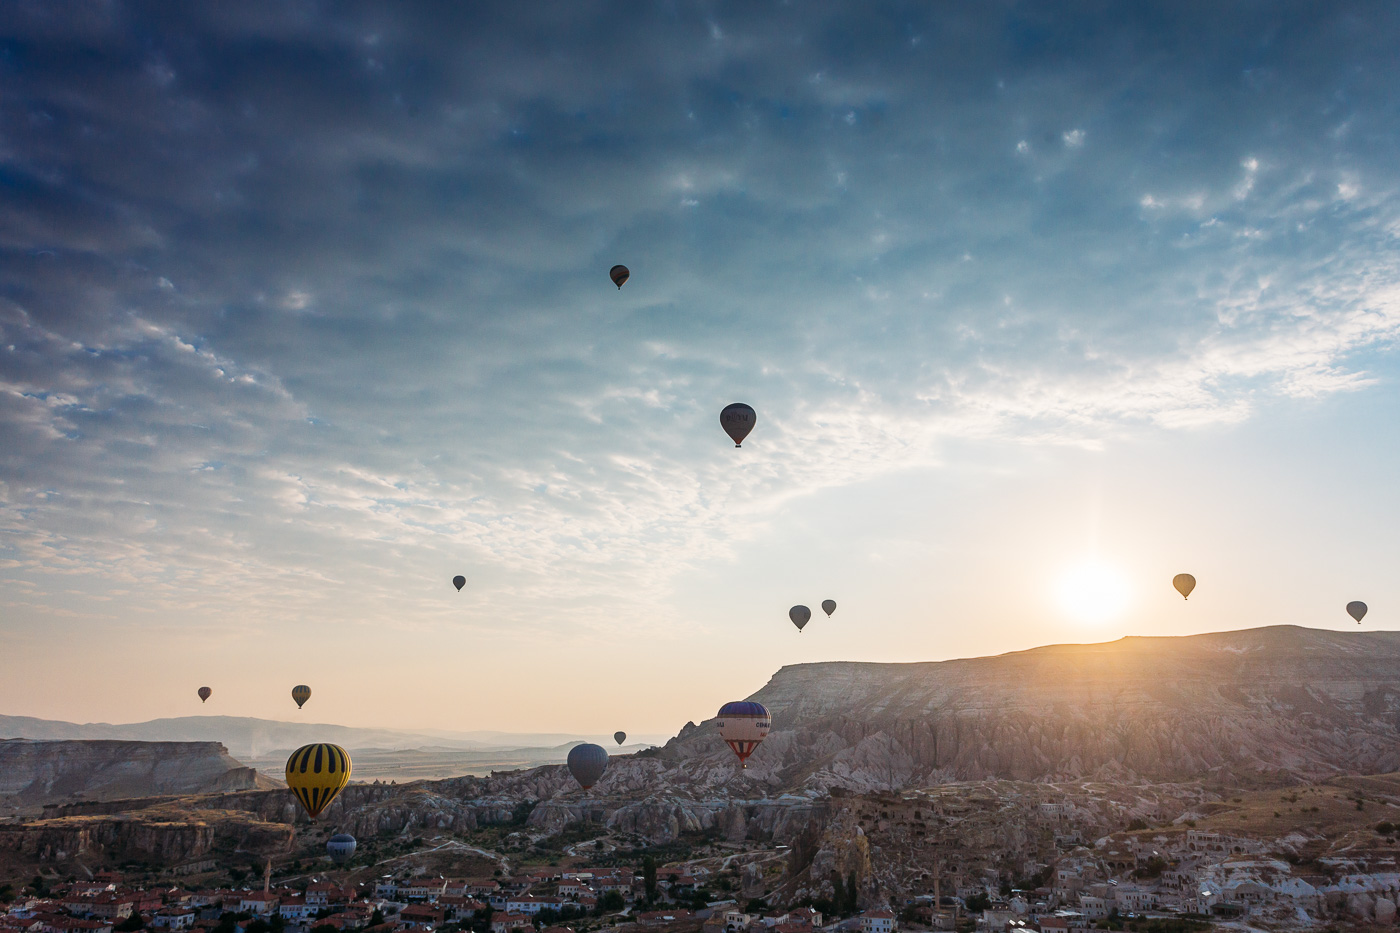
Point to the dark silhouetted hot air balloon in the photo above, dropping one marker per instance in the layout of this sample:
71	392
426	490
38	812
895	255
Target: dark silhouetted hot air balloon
620	737
587	762
1357	610
619	275
459	581
828	606
205	693
316	774
800	616
1184	584
340	847
737	420
743	724
301	693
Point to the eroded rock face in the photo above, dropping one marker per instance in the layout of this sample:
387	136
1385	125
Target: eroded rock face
37	772
157	836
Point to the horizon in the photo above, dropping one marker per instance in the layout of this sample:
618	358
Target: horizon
306	312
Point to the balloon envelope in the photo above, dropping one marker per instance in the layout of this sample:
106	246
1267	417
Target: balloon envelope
316	773
301	693
1357	610
737	420
1184	584
828	606
459	581
620	737
587	763
800	616
619	275
205	693
340	847
743	724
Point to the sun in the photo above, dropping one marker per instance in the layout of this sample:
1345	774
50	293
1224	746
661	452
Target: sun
1093	593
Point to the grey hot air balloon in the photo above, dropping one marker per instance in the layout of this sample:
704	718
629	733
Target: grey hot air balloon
620	737
459	581
737	420
828	606
1184	584
340	847
800	616
587	763
1357	610
619	275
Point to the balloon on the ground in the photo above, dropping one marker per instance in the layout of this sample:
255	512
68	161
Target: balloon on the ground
737	420
1184	584
828	606
205	693
340	847
800	616
620	737
459	581
316	773
587	763
619	275
301	693
1357	610
743	724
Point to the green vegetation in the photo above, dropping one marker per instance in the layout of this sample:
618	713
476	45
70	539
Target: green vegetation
978	902
649	877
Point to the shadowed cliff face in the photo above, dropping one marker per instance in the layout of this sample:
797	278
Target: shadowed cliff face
1272	704
34	773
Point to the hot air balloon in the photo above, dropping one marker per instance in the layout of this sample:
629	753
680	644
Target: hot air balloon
301	693
205	693
340	847
742	725
800	616
316	773
1357	610
828	606
737	420
1184	584
587	763
619	275
620	737
459	581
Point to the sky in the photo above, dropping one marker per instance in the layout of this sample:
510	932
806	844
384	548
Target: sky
304	309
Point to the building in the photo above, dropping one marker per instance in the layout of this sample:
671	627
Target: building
877	921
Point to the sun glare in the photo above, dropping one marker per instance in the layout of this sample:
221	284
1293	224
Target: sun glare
1093	593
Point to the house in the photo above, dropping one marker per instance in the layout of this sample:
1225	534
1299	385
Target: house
460	907
805	915
877	921
176	918
504	923
258	903
111	907
422	917
293	907
658	917
423	890
386	888
1054	925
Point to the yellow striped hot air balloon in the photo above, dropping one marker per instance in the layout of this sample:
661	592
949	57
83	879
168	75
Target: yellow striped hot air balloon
316	773
301	693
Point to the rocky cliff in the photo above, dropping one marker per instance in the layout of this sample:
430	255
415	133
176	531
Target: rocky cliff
34	773
1269	705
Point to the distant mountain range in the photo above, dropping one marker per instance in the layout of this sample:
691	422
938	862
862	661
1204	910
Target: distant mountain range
249	738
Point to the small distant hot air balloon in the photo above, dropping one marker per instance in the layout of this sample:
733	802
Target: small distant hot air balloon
316	774
800	616
828	606
340	847
205	693
737	420
620	737
587	762
1357	610
743	725
1184	584
459	581
301	693
619	274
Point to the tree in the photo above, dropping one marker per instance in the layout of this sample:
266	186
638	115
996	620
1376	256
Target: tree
838	899
978	902
852	893
756	905
376	918
611	902
649	877
324	928
131	924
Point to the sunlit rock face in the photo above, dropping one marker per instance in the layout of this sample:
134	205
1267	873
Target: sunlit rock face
34	773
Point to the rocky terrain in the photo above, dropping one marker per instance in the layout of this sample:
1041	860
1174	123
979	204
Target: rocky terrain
1259	706
36	773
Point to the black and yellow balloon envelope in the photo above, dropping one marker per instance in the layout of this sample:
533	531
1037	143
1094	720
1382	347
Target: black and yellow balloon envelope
301	693
316	774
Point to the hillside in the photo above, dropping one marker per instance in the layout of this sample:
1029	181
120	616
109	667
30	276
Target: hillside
1268	705
36	773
